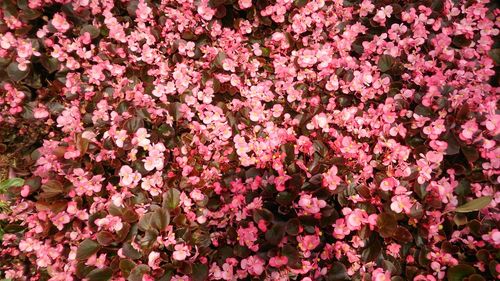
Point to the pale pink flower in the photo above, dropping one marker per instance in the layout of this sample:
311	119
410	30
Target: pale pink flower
128	176
181	252
311	204
379	275
245	4
154	259
401	203
468	130
141	137
389	184
120	137
40	113
254	265
59	22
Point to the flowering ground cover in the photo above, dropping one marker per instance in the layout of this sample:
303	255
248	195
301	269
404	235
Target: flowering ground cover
249	140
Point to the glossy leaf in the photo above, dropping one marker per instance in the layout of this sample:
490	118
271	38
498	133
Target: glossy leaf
100	274
86	249
171	199
474	205
459	272
12	182
385	63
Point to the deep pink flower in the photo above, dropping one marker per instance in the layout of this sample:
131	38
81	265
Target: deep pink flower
278	261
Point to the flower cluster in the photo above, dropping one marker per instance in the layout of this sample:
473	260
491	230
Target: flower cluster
249	140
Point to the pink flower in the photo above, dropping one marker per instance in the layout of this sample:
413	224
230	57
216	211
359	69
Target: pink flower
59	22
120	137
110	222
379	275
248	236
280	181
389	184
422	277
468	130
278	261
425	171
340	229
311	205
128	176
493	237
401	203
141	138
393	249
355	218
60	220
254	265
381	15
143	11
25	191
40	113
154	259
155	159
330	178
181	252
435	129
434	157
29	245
308	243
245	4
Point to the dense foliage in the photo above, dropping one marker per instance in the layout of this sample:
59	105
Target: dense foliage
249	140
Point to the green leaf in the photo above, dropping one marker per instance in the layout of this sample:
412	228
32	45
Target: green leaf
100	274
4	185
385	63
219	59
495	55
92	30
171	199
284	198
50	64
402	235
459	272
387	224
126	267
15	73
470	153
52	189
300	3
372	251
131	252
86	249
293	227
133	124
105	238
292	255
174	110
474	205
276	233
461	41
337	272
216	3
82	269
145	221
200	272
160	219
137	273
